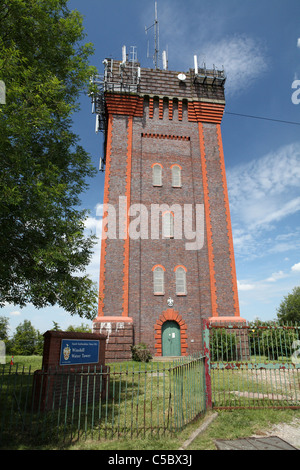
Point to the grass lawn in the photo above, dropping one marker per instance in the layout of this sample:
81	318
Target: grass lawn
238	424
28	362
228	424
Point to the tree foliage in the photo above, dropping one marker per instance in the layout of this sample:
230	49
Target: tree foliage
289	309
43	167
27	341
4	321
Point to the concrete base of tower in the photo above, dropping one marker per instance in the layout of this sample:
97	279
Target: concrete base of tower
119	332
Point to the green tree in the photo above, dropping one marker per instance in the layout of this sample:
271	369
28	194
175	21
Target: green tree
24	340
289	309
43	168
4	328
39	344
56	326
81	328
223	345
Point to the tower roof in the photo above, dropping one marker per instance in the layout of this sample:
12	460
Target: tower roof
205	85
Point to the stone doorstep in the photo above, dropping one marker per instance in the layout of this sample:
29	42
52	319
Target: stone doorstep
167	358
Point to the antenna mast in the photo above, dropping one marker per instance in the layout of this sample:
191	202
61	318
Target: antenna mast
156	38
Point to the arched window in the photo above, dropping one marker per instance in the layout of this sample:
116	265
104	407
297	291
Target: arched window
180	275
168	225
157	174
176	176
158	280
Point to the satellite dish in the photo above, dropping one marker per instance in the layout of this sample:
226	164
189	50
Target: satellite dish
181	77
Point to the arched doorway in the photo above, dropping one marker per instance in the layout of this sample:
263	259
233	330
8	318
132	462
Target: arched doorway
171	344
170	315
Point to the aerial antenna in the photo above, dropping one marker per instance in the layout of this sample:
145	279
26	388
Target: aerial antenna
196	64
156	38
165	60
124	54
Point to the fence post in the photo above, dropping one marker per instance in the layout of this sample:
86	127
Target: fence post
206	347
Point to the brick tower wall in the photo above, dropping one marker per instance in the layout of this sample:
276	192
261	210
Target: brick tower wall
166	123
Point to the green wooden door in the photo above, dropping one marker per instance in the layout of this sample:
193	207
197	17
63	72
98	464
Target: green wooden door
171	339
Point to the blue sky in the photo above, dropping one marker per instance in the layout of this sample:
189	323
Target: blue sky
257	43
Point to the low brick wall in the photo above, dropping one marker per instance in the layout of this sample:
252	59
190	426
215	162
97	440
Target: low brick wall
119	339
59	385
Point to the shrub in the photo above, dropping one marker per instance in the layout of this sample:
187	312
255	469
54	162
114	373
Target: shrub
223	346
141	353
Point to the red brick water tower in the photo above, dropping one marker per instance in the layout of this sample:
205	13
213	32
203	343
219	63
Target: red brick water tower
163	155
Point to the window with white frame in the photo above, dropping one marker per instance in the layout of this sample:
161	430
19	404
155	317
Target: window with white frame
168	225
158	281
157	175
180	275
176	176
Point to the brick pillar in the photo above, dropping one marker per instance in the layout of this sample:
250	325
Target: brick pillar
119	333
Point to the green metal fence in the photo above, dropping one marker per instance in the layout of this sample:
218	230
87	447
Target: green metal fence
253	366
123	400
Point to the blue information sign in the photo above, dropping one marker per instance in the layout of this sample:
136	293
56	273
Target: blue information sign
79	351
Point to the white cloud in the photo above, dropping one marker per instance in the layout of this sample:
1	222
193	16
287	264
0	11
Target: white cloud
15	313
205	34
266	189
298	43
93	224
289	208
262	193
276	276
296	268
292	243
243	59
99	210
245	287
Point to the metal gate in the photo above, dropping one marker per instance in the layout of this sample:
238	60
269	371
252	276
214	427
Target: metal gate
252	365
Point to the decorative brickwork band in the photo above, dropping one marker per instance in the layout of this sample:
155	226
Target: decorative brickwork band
205	112
170	110
161	108
151	108
229	228
170	315
179	110
214	305
128	105
165	136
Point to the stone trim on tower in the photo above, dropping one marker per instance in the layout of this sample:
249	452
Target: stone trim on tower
105	214
210	248
127	240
